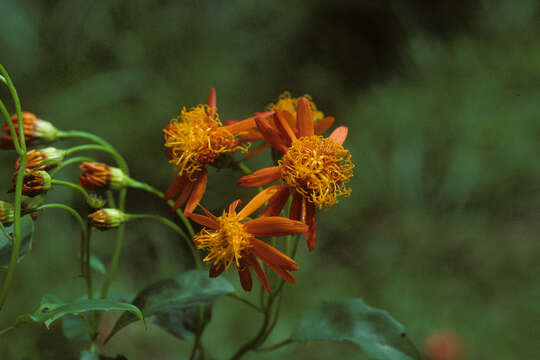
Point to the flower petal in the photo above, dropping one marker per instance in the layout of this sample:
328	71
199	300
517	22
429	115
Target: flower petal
259	149
270	255
324	124
216	270
304	118
212	103
174	189
245	275
284	274
290	118
259	271
241	125
339	134
297	207
199	188
234	205
283	126
260	177
204	220
271	135
208	213
274	226
277	202
311	222
183	196
258	201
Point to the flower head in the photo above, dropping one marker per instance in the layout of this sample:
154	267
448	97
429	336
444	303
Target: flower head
314	169
42	159
7	213
444	345
105	219
232	241
99	176
34	182
35	131
194	140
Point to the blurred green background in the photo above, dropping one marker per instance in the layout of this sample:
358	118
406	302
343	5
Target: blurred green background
441	98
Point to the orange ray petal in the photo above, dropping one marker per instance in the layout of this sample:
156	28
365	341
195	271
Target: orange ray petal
339	134
283	126
234	205
284	274
183	196
204	220
271	135
212	103
208	213
270	255
216	270
258	150
274	226
304	118
311	222
260	177
258	201
173	189
276	204
290	118
245	275
241	125
199	188
322	125
296	211
258	270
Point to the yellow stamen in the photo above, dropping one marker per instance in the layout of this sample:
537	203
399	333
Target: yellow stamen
196	140
290	104
225	244
318	168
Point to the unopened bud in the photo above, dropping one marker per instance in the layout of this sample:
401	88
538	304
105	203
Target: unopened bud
34	183
99	176
42	159
7	213
95	201
36	131
105	219
444	345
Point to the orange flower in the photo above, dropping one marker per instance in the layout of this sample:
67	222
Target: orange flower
42	159
35	131
99	176
194	140
314	169
231	241
287	108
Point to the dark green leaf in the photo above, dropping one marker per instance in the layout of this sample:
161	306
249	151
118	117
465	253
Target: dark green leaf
53	308
183	323
74	328
374	330
87	355
186	290
27	233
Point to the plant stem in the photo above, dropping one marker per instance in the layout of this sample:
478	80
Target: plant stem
5	232
245	301
74	160
277	346
73	186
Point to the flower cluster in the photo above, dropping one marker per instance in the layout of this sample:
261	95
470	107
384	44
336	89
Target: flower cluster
312	171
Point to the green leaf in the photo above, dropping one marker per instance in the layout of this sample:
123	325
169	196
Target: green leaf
27	233
167	296
74	328
88	355
97	265
375	331
53	308
183	323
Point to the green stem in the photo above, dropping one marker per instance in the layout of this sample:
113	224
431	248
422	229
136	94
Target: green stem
245	301
12	131
75	160
277	346
73	186
5	232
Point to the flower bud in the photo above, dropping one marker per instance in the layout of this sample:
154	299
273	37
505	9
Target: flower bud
34	182
99	176
35	131
95	201
105	219
444	345
51	156
7	213
30	204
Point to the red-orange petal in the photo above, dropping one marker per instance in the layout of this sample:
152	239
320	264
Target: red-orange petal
183	196
271	135
199	187
270	255
283	126
258	150
290	118
276	204
304	118
212	103
258	200
241	125
234	205
175	188
208	213
339	134
296	211
324	124
204	220
258	270
311	222
284	274
260	177
245	275
216	270
274	226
